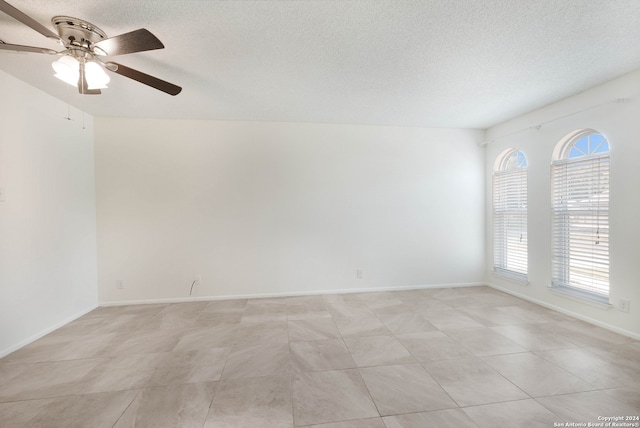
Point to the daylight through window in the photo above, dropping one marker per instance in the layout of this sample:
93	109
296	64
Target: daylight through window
510	215
580	203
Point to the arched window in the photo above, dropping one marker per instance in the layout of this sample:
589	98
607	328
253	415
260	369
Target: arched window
510	214
580	202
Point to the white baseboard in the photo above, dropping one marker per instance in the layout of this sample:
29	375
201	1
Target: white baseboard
287	294
46	331
581	317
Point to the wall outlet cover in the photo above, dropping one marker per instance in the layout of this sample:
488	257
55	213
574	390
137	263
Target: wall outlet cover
624	305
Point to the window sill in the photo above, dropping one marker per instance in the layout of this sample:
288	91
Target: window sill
513	277
578	296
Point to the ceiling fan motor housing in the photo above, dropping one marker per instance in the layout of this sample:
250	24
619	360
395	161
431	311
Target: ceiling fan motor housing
79	35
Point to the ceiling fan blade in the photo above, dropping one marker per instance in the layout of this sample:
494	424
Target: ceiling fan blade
27	20
134	41
83	87
144	78
21	48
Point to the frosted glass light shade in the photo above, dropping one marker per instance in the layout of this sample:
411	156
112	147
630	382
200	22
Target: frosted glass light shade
67	69
96	76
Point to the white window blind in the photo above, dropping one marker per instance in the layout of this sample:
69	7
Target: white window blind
510	222
580	241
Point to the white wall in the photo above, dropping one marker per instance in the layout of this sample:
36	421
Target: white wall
47	219
621	125
267	208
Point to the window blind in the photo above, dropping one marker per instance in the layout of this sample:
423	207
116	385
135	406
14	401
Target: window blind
580	203
510	222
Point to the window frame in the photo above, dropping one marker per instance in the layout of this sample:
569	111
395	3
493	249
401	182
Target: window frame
510	216
580	206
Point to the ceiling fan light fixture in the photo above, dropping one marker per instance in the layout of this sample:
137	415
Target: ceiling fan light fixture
67	69
96	76
83	42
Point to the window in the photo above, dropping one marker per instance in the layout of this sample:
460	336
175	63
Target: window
580	204
510	215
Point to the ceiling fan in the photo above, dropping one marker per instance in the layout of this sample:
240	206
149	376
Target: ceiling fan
85	45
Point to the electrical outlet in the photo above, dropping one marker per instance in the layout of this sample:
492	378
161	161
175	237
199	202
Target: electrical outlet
623	305
359	273
120	284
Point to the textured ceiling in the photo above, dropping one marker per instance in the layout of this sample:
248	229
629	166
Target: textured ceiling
429	63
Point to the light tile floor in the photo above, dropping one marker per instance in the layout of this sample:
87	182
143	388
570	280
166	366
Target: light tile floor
458	357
